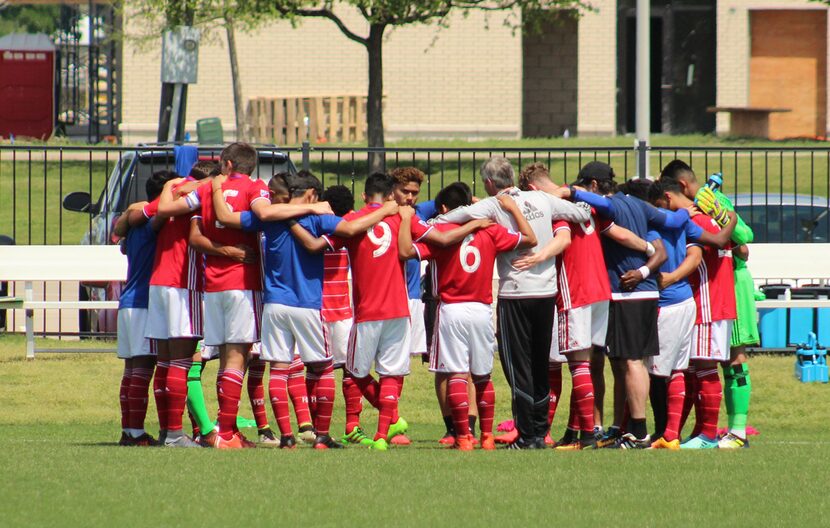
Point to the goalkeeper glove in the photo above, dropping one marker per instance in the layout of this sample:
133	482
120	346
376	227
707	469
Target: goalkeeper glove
707	202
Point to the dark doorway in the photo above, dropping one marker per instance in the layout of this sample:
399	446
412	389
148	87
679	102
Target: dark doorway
683	76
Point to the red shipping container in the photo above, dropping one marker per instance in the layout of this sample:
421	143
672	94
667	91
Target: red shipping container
27	86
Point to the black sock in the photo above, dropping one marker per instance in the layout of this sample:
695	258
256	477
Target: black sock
448	424
570	436
472	424
659	394
638	427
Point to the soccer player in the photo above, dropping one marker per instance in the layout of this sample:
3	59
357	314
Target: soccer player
464	339
737	388
137	351
527	299
293	300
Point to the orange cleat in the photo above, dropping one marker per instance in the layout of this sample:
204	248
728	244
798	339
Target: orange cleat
548	440
487	442
509	437
447	440
234	443
463	443
247	444
400	440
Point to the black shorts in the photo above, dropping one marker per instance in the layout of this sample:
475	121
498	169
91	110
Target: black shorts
632	329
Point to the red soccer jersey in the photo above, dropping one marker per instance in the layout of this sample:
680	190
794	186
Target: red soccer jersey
713	283
176	264
378	277
222	273
583	278
464	272
337	304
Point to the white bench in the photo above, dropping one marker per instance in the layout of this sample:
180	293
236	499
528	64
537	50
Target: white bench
58	263
794	264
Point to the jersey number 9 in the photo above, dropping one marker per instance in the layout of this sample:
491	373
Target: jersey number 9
383	241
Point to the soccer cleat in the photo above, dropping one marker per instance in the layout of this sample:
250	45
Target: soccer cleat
509	437
521	443
266	437
162	436
488	443
145	440
732	441
400	440
629	441
220	443
247	444
662	443
379	445
208	440
397	428
609	438
306	434
573	446
549	441
327	442
448	439
357	436
180	441
125	440
463	443
700	442
288	442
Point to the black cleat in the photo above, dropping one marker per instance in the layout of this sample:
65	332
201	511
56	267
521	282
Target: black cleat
288	442
327	442
629	441
521	443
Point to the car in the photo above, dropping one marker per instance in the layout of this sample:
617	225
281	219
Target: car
126	184
785	218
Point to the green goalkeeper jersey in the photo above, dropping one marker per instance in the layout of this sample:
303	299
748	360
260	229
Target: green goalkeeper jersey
743	233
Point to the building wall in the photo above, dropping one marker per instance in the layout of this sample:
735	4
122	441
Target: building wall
734	49
464	81
597	85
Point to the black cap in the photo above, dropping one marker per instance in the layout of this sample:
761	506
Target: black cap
595	170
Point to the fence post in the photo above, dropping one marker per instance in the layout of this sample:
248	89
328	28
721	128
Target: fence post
306	151
642	159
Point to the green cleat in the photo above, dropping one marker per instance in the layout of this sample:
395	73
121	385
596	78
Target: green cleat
379	445
700	442
357	436
397	428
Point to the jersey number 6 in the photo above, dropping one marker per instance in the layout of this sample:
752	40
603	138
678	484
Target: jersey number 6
466	251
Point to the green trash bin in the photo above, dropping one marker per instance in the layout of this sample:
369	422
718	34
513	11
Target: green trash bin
209	131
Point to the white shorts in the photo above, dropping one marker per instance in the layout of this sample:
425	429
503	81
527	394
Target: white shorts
555	356
286	327
419	329
385	343
131	329
174	313
675	325
711	341
337	339
464	339
208	353
232	316
582	327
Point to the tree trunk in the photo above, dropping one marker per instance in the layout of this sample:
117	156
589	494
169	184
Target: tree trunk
374	110
239	111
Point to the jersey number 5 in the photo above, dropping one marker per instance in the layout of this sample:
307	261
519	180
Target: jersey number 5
467	252
383	241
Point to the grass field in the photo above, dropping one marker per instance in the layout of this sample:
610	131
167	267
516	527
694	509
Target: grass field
59	424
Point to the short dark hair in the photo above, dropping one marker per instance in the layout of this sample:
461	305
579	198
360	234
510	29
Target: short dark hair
677	169
301	182
453	196
205	168
638	188
242	155
155	183
340	198
378	183
278	183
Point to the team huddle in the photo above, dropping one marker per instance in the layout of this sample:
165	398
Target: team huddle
287	277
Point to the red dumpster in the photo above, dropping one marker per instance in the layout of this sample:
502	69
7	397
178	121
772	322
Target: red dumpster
27	86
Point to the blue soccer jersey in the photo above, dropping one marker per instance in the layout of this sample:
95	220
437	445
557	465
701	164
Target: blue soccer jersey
674	240
424	211
141	251
293	276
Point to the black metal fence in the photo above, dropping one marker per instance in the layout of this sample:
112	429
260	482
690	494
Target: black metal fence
782	192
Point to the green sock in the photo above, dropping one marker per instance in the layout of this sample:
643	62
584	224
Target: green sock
741	394
729	394
196	398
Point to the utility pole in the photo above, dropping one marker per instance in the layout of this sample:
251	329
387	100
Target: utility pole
643	73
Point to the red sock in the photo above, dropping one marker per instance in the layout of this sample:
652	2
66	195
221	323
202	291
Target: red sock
311	380
399	381
459	404
278	392
582	395
177	392
256	392
690	382
159	385
139	385
676	397
388	400
710	394
297	391
124	397
486	402
555	380
370	389
228	391
324	396
353	400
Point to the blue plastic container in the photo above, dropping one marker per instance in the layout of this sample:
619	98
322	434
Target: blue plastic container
773	322
811	362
